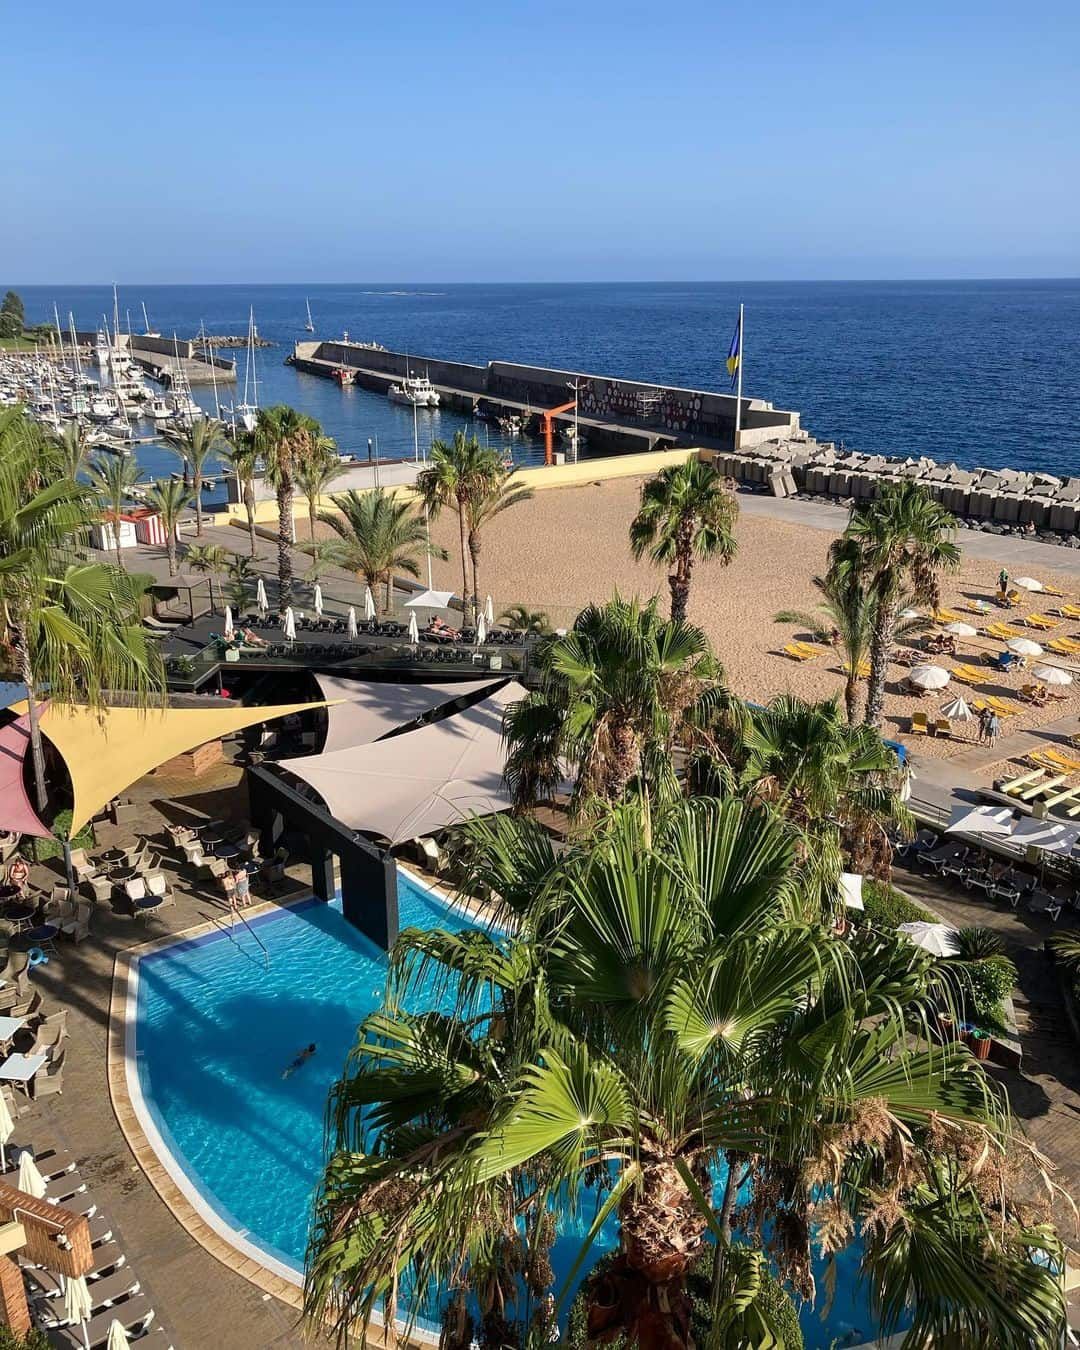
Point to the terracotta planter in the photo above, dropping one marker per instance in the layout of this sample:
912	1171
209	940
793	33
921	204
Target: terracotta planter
947	1027
980	1046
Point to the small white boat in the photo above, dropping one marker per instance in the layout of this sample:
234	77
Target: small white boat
416	391
309	327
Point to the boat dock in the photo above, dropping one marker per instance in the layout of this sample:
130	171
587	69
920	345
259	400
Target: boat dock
619	416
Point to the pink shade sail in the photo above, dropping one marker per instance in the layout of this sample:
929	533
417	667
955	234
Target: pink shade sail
16	813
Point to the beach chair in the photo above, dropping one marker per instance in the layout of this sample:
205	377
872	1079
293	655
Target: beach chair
941	727
919	725
82	866
49	1079
1003	630
975	607
101	887
1049	758
966	674
78	926
1064	646
1030	694
1003	706
798	653
1051	590
862	670
1042	621
1047	902
1069	611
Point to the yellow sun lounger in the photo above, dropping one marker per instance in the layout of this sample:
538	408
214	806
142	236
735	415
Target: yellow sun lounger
1064	646
1003	630
1069	611
1054	759
862	670
945	616
1043	621
1001	706
1052	590
978	607
967	674
799	652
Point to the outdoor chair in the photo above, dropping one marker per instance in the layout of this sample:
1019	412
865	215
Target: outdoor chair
919	724
922	843
82	866
937	859
78	926
49	1079
958	865
59	912
435	857
942	727
984	877
1050	903
101	887
157	884
135	889
149	863
193	851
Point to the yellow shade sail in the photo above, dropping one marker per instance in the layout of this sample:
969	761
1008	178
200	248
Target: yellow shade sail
108	749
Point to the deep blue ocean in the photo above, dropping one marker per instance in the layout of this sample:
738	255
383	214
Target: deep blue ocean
980	372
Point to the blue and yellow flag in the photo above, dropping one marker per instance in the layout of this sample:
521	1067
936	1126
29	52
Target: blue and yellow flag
734	355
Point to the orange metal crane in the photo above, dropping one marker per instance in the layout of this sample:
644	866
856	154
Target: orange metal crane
549	456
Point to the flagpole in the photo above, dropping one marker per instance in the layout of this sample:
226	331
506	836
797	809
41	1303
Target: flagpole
738	388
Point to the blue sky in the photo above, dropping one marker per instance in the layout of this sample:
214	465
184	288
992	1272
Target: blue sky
410	140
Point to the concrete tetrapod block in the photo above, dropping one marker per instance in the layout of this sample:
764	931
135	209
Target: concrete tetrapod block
840	484
1064	516
1036	510
1007	507
955	499
981	502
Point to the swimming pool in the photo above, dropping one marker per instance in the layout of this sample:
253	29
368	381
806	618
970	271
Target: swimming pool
215	1023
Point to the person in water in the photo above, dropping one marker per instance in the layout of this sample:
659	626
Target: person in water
300	1060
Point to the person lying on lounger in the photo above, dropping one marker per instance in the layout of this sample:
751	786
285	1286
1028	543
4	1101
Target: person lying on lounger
300	1060
441	629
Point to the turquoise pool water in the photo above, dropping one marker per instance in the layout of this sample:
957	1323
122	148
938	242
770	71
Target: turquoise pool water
215	1028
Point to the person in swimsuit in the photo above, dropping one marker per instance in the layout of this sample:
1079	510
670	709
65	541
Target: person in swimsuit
243	887
300	1060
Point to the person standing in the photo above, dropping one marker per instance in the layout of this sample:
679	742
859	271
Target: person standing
243	887
1003	584
993	727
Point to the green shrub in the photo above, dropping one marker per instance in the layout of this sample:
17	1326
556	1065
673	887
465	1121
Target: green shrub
976	944
33	1340
988	983
54	847
775	1301
886	907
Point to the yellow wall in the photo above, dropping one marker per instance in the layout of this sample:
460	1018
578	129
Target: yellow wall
557	476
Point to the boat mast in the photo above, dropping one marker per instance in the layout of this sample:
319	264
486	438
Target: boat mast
59	334
145	319
208	352
254	367
75	344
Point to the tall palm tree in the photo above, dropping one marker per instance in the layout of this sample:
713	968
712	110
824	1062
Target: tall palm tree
197	447
242	457
494	494
286	440
170	499
378	534
74	449
457	475
208	560
316	474
903	543
686	514
615	691
70	627
666	1014
113	477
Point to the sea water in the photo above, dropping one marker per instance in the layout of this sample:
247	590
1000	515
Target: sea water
220	1019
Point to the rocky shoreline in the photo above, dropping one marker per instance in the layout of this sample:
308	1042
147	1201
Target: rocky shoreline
231	340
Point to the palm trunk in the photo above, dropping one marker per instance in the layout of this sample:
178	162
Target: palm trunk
196	483
679	581
285	570
249	507
881	646
311	517
624	761
170	547
851	693
37	752
465	592
474	554
389	592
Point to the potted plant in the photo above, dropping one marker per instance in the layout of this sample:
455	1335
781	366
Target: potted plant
980	1043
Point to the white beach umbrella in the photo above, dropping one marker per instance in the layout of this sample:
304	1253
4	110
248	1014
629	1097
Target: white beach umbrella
260	596
78	1305
1028	583
30	1181
118	1338
289	625
228	621
481	631
929	677
936	938
369	604
851	889
489	610
414	630
7	1129
353	630
317	600
1024	647
959	629
957	711
1052	675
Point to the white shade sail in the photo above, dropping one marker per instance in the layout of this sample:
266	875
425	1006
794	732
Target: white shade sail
1052	675
1024	647
430	600
986	820
1049	835
364	711
936	938
929	677
421	781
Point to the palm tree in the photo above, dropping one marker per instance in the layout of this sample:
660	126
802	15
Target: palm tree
316	474
663	1017
378	534
524	620
197	447
286	439
170	499
902	543
208	560
837	782
457	475
242	457
74	449
686	514
495	493
615	692
113	477
71	627
240	570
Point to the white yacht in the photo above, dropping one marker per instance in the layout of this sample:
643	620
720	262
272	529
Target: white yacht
418	391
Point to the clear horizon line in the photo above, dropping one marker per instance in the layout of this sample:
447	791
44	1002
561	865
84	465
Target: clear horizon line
609	281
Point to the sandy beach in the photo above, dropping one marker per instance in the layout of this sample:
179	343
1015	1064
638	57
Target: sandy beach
569	546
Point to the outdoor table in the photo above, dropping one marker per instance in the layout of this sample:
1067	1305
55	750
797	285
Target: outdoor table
122	874
20	914
39	936
212	838
21	1068
149	903
8	893
114	855
228	851
9	1026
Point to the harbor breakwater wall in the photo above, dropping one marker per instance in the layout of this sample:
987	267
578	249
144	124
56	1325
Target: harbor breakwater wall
998	501
646	414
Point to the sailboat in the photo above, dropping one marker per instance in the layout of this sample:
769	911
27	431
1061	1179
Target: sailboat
309	327
246	414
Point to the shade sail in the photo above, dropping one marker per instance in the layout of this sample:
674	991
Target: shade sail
364	711
1049	835
106	750
430	600
420	781
986	820
16	812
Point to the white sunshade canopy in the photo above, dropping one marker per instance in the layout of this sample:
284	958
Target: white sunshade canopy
961	629
1052	675
1024	647
936	938
1027	583
367	710
986	820
430	600
1049	835
421	781
929	677
957	710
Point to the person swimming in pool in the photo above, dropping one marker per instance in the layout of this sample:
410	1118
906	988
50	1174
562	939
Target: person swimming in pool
300	1060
